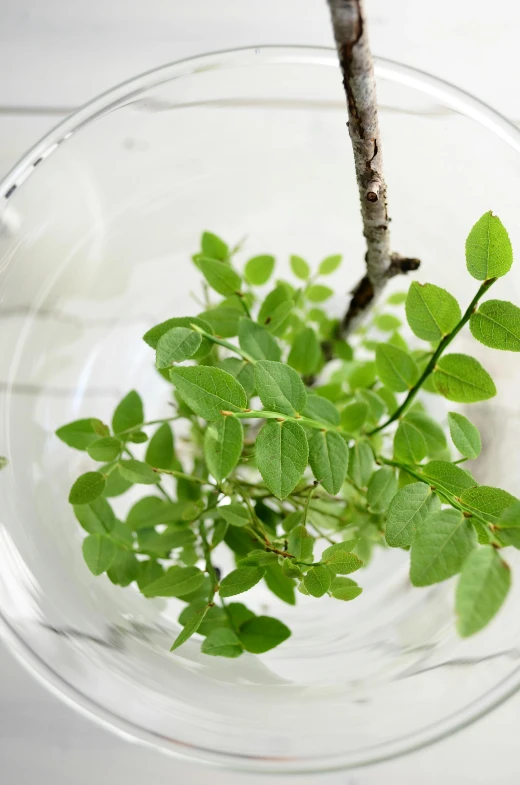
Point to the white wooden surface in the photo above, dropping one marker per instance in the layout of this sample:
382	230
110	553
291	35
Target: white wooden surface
57	54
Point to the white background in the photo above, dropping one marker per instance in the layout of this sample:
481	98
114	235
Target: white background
57	54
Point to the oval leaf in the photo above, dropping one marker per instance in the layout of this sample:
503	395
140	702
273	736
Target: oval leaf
220	276
408	508
317	581
240	580
483	586
191	627
209	391
431	312
160	451
222	642
99	553
381	489
462	379
488	249
280	388
178	344
106	449
262	633
87	488
328	458
465	435
223	442
441	544
305	355
138	472
497	324
409	443
257	341
259	269
396	368
176	582
281	456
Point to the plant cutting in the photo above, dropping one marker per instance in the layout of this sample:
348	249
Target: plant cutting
299	439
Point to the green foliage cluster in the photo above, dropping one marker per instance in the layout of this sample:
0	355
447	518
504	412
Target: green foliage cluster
304	454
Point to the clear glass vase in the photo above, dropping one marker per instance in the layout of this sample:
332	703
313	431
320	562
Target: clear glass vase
97	226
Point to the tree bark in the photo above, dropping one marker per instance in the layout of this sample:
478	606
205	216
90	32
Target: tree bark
348	21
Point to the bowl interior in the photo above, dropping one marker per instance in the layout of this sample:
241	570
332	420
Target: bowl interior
95	247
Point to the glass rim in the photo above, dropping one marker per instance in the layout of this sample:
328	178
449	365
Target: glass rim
459	101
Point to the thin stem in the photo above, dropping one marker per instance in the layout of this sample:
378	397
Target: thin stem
210	569
307	502
223	342
435	356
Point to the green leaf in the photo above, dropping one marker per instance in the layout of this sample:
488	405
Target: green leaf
280	388
431	312
106	449
328	458
128	414
262	633
376	404
397	298
223	443
222	642
223	320
361	463
441	544
178	344
149	571
318	408
387	322
483	586
153	336
447	477
191	627
97	517
317	293
235	514
388	397
154	511
81	433
354	416
258	558
489	502
340	559
176	582
281	585
242	370
240	580
509	525
488	249
99	553
462	379
432	432
381	489
259	269
161	544
281	456
300	267
409	443
411	505
330	264
317	581
345	591
115	484
300	544
160	451
87	488
124	569
138	437
305	355
214	247
292	520
497	324
279	297
290	569
257	341
220	276
397	369
209	391
465	435
138	472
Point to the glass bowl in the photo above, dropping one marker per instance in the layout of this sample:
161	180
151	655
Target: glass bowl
97	226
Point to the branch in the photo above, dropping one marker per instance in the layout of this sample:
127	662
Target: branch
348	21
